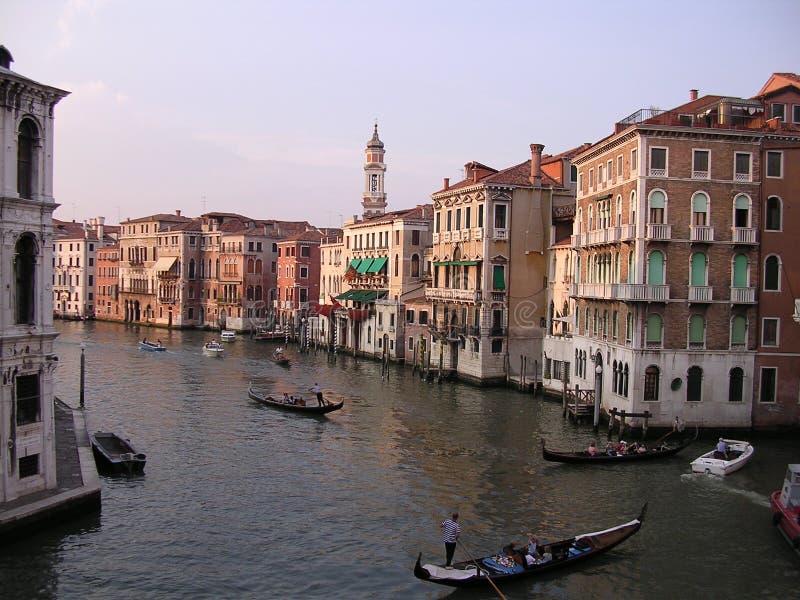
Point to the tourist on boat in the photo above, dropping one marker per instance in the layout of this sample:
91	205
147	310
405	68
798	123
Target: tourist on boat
622	447
450	532
300	401
592	450
642	448
722	448
610	448
286	398
533	545
144	341
318	391
159	342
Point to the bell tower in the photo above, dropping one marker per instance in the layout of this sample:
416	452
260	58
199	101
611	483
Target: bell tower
374	197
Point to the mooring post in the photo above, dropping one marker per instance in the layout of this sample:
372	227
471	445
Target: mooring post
644	427
83	373
612	417
622	424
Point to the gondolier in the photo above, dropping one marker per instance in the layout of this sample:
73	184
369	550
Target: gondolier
318	391
450	532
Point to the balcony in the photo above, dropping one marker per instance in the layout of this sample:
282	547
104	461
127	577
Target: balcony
701	293
477	234
701	233
592	290
742	177
498	296
500	234
577	240
743	295
445	236
627	232
452	294
455	236
659	231
641	292
497	331
700	174
654	172
436	238
743	235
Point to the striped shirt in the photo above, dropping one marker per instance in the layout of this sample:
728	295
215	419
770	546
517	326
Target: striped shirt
450	531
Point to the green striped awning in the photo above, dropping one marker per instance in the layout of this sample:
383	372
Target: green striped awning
377	264
365	264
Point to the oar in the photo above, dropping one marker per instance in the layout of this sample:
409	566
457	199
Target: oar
494	585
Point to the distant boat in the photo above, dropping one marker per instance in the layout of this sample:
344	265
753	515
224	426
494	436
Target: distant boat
303	408
718	463
279	358
582	456
152	346
213	348
264	334
228	336
116	455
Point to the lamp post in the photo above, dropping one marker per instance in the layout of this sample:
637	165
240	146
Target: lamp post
83	373
598	392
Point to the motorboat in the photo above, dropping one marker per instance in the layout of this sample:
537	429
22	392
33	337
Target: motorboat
720	463
785	507
116	455
152	346
213	348
227	335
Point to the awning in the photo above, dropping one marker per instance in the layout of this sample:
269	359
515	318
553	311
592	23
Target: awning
164	263
377	265
354	263
463	263
365	264
362	295
603	197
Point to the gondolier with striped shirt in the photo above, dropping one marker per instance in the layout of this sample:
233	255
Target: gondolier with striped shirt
450	532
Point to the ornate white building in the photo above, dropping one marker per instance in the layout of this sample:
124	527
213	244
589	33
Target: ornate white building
27	362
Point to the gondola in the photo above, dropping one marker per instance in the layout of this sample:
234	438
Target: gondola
279	358
582	456
116	455
503	567
313	409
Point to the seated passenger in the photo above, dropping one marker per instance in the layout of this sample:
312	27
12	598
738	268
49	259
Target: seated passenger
533	545
642	448
592	450
547	554
286	398
610	449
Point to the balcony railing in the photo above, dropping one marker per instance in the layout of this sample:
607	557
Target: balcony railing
658	172
627	232
455	236
497	331
701	293
436	238
452	294
498	296
742	177
701	233
445	236
642	292
500	234
592	290
659	231
699	174
743	295
743	235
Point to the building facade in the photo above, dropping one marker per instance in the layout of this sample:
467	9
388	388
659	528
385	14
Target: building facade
27	432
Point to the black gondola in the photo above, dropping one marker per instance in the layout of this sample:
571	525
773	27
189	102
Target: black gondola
115	455
303	408
503	567
583	456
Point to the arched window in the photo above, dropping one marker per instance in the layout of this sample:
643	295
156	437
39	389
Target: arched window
369	334
579	222
191	268
697	331
654	330
25	279
259	266
26	145
694	384
658	203
396	265
773	215
651	376
619	211
738	331
735	384
590	213
700	210
772	273
631	266
741	211
699	271
249	292
216	272
741	275
633	209
625	376
251	265
655	268
259	293
415	265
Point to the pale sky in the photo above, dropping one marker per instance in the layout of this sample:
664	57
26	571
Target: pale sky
264	108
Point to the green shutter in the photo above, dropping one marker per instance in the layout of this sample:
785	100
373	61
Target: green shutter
742	203
657	200
696	328
654	328
739	330
700	203
655	268
498	278
740	271
698	269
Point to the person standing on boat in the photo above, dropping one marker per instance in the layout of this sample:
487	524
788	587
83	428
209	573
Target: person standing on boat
318	391
450	532
722	448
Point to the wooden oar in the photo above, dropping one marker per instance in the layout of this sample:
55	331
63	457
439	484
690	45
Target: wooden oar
477	566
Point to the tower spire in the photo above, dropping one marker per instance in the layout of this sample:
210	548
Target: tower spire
374	198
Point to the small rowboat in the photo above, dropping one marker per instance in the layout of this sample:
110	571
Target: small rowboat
116	455
309	409
582	456
503	567
717	463
152	347
213	349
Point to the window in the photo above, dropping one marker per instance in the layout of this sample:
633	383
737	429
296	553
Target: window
741	171
658	203
654	330
498	277
777	110
634	160
738	331
655	268
619	167
25	279
480	215
772	274
28	466
769	331
651	376
629	328
28	400
795	113
697	331
449	220
699	270
500	216
305	251
658	162
591	178
458	219
410	316
741	209
303	272
423	317
700	167
774	214
735	384
573	173
769	381
497	346
415	265
694	384
700	210
415	233
774	164
741	276
600	174
26	167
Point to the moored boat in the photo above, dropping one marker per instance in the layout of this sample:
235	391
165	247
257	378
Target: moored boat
227	335
296	406
116	455
718	462
264	334
660	450
213	348
152	346
507	566
785	507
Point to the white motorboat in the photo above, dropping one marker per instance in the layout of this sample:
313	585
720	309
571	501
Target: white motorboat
227	335
213	348
717	462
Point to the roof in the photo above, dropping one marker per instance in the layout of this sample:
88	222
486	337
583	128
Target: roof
159	217
777	82
305	236
419	212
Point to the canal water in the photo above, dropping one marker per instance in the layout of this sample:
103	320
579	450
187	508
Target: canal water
245	501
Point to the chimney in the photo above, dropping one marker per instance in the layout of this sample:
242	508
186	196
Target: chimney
177	213
725	112
692	95
447	183
536	164
100	228
475	176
